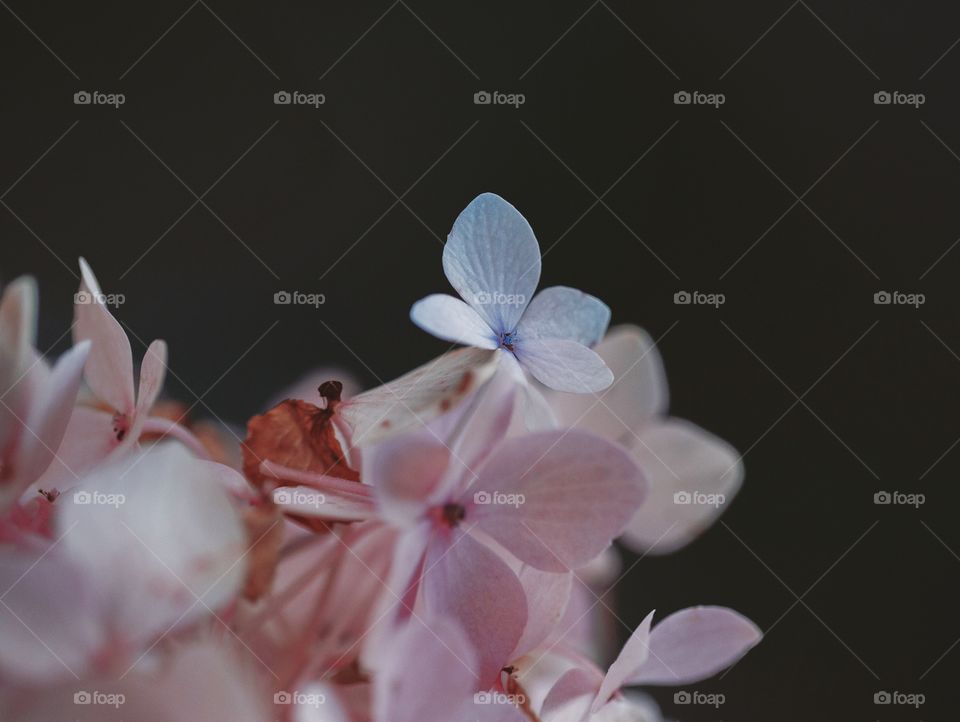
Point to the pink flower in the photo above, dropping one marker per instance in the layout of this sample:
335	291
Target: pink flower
692	474
553	500
144	545
35	400
113	423
686	647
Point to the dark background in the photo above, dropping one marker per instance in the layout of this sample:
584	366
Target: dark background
855	598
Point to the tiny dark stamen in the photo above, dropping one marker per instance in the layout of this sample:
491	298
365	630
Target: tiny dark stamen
453	514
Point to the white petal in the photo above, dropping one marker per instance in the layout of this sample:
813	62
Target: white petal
451	319
561	312
563	365
416	397
492	259
693	475
159	536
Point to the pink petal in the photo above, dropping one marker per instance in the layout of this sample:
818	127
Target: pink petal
153	369
570	699
110	364
451	319
400	593
49	414
561	312
481	424
200	680
50	624
405	470
694	644
477	711
427	672
633	655
693	475
563	365
88	439
556	499
327	505
465	581
18	322
355	593
630	707
548	594
637	395
416	398
492	259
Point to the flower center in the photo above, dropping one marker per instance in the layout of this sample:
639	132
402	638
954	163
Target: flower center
508	339
453	514
121	425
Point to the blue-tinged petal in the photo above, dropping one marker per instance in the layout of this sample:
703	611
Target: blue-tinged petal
563	365
451	319
492	259
561	312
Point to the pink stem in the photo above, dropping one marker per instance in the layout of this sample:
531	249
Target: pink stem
320	482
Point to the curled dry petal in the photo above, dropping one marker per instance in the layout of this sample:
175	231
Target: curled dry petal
298	435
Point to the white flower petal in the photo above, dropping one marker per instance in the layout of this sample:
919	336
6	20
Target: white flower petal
451	319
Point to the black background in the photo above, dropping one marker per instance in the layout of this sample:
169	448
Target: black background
701	199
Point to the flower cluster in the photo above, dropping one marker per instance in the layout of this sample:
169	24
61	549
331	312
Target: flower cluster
437	548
